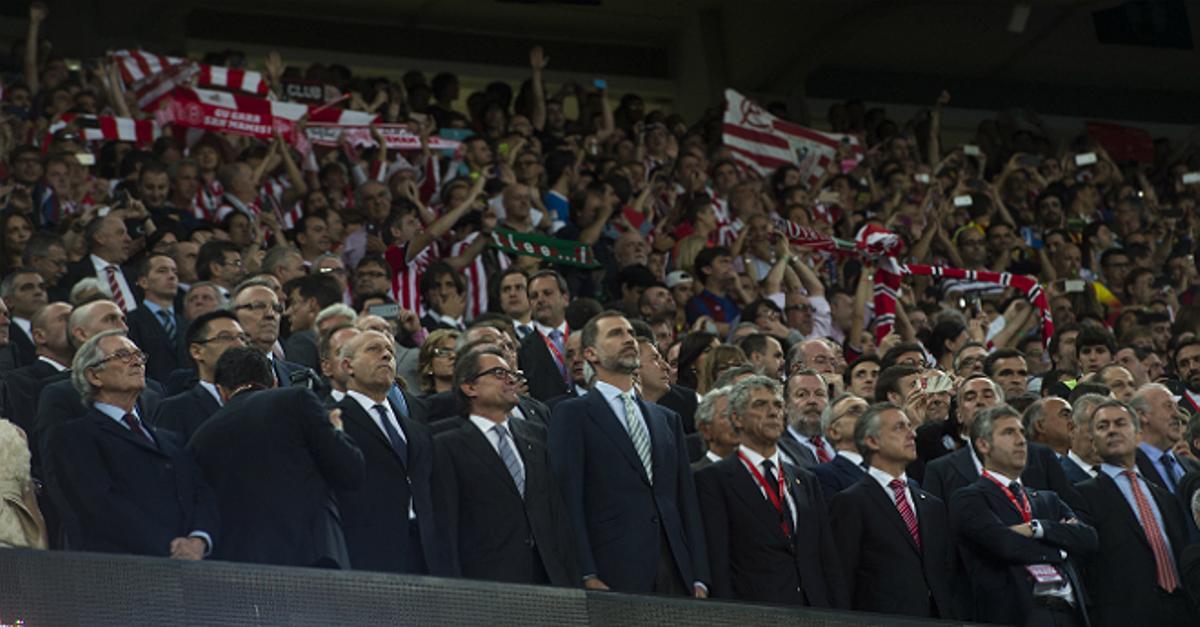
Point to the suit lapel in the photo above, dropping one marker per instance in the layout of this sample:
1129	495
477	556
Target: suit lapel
750	493
610	424
1148	471
357	414
475	441
965	465
1117	502
111	426
888	510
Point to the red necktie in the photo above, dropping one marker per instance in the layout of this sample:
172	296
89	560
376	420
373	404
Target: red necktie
1167	579
906	512
115	287
136	427
822	455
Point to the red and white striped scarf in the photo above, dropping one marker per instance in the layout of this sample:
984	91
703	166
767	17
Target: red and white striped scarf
102	128
138	68
240	114
477	277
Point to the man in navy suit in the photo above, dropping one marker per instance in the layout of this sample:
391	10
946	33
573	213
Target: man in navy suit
208	337
767	533
1017	543
258	311
623	469
544	351
156	327
837	423
892	537
130	488
389	520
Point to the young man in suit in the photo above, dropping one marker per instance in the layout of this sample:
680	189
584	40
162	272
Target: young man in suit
128	487
767	533
24	291
1018	543
1134	577
621	462
274	458
498	504
54	353
545	350
208	337
892	537
155	326
389	520
837	423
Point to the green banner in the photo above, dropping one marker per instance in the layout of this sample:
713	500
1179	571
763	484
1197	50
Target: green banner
556	250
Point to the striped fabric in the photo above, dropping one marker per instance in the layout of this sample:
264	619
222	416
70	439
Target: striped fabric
102	128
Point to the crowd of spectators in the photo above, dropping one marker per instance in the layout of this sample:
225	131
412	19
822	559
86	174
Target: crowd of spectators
220	347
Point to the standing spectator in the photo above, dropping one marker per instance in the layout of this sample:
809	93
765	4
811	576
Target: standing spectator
307	296
24	293
714	267
208	337
108	246
544	350
848	465
155	326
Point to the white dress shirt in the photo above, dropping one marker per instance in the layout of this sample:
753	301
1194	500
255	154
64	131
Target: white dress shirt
612	394
883	478
757	460
101	267
486	425
1078	461
368	405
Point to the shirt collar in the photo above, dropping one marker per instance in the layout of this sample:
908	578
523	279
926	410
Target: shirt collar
114	412
611	392
486	424
1114	471
884	478
155	307
545	330
1151	451
367	403
852	456
57	366
755	459
212	389
456	323
100	264
1003	479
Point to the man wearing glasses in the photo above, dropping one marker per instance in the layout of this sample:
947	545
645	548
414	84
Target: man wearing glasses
847	466
220	261
208	337
389	521
258	311
495	497
130	488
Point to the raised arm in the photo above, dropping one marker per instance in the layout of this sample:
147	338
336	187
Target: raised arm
37	14
443	224
537	63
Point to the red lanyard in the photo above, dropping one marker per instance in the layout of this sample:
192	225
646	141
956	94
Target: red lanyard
776	497
1022	507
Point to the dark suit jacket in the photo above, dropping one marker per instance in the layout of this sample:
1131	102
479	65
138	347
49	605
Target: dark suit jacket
751	557
946	474
1189	572
682	401
301	348
1075	474
1122	576
799	453
128	496
21	394
492	532
618	516
995	556
545	380
273	458
885	571
1151	474
375	515
837	475
163	355
184	413
23	350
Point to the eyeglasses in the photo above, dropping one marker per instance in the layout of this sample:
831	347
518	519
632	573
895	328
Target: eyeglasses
445	352
226	337
337	271
237	263
261	307
125	356
504	374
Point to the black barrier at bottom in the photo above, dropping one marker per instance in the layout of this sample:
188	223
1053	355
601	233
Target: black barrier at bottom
64	588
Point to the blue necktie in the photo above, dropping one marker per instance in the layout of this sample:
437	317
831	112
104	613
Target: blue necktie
396	396
1168	464
393	436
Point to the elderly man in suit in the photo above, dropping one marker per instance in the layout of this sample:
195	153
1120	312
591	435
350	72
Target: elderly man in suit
498	504
208	338
624	473
1134	577
766	524
1018	543
274	457
131	488
892	537
806	397
1162	429
389	520
837	423
714	426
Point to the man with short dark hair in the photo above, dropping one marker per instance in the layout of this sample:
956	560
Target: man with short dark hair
767	529
24	292
444	294
109	246
620	459
155	326
892	537
312	236
494	495
714	269
306	297
765	353
45	253
274	458
220	261
208	338
1007	367
1017	544
1134	577
544	351
1094	348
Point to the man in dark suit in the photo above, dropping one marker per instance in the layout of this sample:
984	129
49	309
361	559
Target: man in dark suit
1162	429
806	396
24	291
307	296
715	427
621	463
156	327
389	521
498	504
1134	577
544	351
837	423
258	311
767	534
130	488
109	246
1018	543
892	537
946	474
54	352
445	414
274	457
208	337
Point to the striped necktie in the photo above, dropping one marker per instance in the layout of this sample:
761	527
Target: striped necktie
637	432
509	457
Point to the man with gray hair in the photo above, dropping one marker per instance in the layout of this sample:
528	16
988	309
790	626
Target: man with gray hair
893	538
837	423
1048	421
1015	543
129	487
714	426
1162	429
1081	462
767	528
